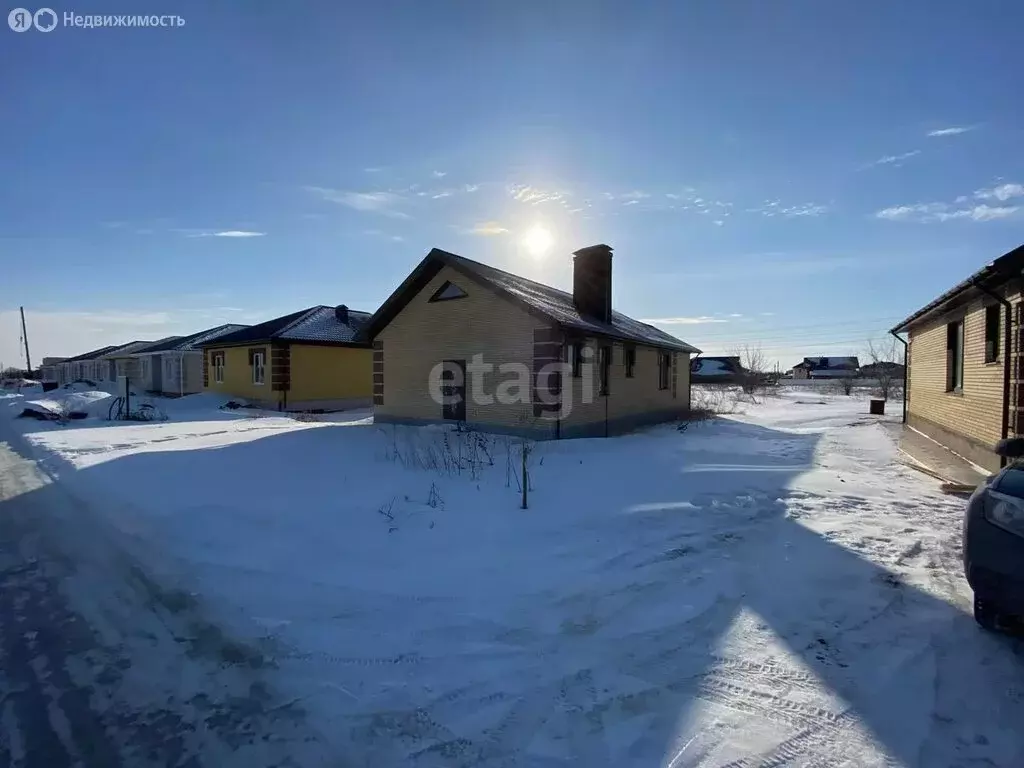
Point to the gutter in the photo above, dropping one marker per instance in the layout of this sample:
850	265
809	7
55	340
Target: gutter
1007	339
906	372
689	383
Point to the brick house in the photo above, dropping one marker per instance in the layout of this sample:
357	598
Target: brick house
562	364
965	373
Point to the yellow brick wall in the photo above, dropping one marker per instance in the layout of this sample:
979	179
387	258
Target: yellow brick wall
628	396
327	373
424	333
976	412
238	375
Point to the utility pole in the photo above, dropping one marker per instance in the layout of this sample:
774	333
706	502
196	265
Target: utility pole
24	336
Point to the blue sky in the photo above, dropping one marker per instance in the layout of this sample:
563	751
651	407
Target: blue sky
795	174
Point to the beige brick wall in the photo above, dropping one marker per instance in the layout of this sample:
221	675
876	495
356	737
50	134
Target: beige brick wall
627	396
425	333
976	412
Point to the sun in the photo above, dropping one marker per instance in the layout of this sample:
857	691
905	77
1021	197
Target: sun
538	240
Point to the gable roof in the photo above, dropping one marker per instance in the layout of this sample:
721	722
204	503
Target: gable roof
727	365
992	275
192	341
88	355
537	298
827	363
132	347
316	325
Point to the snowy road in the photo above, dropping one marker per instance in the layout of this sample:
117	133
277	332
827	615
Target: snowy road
91	675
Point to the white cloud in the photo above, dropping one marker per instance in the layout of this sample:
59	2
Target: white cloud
487	229
939	212
371	202
699	320
229	233
896	159
471	188
372	170
718	222
1002	193
440	174
524	193
442	193
952	131
631	202
804	209
636	194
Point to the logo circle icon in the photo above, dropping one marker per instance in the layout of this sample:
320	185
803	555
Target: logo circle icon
20	20
45	19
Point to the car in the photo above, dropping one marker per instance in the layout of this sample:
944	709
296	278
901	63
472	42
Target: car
993	543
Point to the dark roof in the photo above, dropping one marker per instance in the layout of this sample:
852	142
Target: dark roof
535	297
88	355
716	366
193	341
992	275
831	363
319	324
133	346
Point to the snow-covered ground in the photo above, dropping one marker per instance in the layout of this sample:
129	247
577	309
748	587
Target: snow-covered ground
768	588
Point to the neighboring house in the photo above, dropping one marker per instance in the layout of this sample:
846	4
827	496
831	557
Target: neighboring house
307	360
49	369
79	366
121	361
874	370
715	370
827	368
965	382
451	318
174	367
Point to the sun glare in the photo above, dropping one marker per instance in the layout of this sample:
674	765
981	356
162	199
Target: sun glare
538	241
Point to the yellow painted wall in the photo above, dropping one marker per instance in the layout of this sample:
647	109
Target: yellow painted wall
328	373
238	375
976	412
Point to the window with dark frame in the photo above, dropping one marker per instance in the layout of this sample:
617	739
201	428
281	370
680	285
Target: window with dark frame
664	369
574	356
629	358
992	314
605	361
955	356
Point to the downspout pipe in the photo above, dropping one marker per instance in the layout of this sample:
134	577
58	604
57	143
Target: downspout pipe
1007	370
906	370
689	383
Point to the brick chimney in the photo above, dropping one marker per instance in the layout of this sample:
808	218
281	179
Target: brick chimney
341	312
592	282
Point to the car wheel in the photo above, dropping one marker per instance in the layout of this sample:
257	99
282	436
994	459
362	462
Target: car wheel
985	614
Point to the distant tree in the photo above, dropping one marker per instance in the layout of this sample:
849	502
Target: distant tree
885	357
753	374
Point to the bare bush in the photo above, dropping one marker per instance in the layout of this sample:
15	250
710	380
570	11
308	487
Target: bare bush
753	375
445	451
885	357
714	399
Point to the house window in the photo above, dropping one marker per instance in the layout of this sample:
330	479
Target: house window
574	355
217	362
605	359
144	367
955	356
664	369
992	333
447	292
258	369
629	355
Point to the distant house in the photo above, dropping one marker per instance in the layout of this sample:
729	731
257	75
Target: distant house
120	361
49	371
827	368
874	370
80	366
462	341
965	377
715	370
308	360
174	367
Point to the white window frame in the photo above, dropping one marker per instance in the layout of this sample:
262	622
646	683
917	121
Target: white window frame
217	358
259	363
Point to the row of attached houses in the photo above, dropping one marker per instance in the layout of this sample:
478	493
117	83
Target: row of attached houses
457	340
965	367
